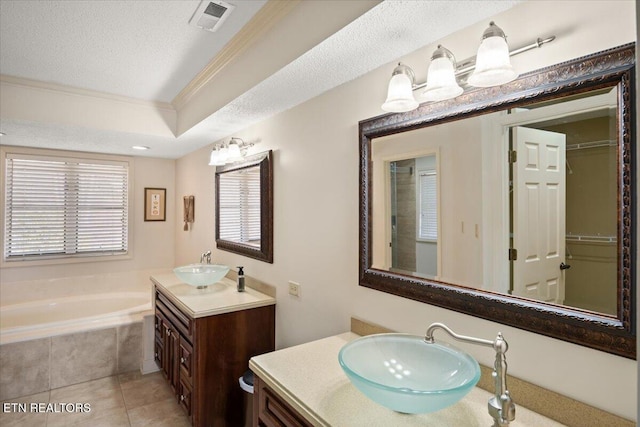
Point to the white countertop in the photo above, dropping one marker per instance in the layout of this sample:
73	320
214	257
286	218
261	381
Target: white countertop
309	378
219	298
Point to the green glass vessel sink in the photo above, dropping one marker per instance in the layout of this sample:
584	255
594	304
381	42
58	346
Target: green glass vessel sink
200	275
406	374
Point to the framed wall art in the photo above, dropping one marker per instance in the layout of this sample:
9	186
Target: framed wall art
155	204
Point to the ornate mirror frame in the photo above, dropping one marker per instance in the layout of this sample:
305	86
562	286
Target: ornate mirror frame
265	252
613	334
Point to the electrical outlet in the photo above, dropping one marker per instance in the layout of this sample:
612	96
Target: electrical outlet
294	289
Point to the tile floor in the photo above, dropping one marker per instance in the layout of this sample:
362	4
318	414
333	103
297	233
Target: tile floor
126	400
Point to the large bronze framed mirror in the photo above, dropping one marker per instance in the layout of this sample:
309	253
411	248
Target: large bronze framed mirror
244	207
514	203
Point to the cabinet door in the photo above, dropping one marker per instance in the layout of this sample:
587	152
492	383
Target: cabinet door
158	354
174	362
158	347
162	351
185	359
272	411
167	350
184	396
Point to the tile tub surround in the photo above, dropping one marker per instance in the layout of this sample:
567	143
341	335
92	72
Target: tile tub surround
35	366
127	400
25	368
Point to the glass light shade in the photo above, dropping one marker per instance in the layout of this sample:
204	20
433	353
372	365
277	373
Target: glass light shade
493	66
219	156
441	81
400	95
214	160
234	152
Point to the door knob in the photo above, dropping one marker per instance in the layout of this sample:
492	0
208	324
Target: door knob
564	266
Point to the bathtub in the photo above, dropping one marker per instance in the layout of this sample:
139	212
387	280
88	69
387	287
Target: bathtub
71	314
61	331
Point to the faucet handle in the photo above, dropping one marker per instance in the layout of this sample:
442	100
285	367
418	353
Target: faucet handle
205	255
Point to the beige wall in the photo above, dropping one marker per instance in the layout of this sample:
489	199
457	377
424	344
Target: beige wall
316	210
459	150
153	242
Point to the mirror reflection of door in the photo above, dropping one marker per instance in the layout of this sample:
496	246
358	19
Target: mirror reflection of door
579	267
413	191
538	214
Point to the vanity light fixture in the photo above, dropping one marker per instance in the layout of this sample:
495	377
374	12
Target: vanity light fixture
441	78
229	152
491	67
234	153
400	92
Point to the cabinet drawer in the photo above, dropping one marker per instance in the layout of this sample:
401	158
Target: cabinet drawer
179	320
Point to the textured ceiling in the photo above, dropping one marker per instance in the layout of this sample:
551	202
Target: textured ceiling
380	36
139	49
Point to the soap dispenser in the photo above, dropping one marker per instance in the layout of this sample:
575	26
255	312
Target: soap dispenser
240	279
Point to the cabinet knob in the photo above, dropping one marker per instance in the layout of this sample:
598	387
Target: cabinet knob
182	398
183	360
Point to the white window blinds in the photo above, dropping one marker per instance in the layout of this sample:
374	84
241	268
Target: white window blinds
428	217
64	207
239	210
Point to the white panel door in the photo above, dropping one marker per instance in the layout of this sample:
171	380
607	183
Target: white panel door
539	212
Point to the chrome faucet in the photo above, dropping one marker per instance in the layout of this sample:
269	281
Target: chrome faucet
205	256
501	407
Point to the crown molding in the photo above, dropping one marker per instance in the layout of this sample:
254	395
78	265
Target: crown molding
267	17
36	101
70	90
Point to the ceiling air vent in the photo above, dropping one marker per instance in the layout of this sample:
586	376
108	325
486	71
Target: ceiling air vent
211	14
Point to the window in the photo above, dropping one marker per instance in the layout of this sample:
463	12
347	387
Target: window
64	207
239	210
428	214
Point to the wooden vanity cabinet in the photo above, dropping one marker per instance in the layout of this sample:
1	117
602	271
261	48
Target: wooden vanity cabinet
270	410
203	357
166	343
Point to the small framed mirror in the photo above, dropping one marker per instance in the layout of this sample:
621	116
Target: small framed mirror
244	207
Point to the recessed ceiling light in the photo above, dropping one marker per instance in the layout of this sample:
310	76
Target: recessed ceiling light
140	147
